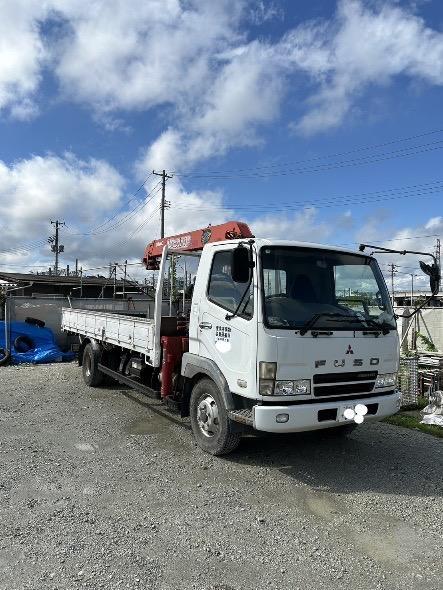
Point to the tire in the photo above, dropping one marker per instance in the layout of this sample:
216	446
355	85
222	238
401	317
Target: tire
35	322
5	357
91	375
212	428
24	344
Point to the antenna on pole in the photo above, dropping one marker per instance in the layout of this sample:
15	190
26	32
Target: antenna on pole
164	204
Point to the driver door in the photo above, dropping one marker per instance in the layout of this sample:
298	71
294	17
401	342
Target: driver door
230	343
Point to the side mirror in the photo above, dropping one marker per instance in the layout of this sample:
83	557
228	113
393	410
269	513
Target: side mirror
433	273
240	265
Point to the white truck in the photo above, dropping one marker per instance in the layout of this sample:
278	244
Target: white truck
279	336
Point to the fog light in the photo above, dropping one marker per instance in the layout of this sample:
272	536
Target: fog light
282	418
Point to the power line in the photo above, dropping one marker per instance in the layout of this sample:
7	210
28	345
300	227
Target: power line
25	248
127	217
370	159
420	190
335	155
131	198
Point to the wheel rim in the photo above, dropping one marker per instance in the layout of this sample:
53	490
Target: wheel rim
207	416
88	365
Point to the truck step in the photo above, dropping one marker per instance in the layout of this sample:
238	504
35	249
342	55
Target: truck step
130	382
242	416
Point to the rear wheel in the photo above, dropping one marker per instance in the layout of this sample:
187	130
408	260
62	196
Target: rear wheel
211	426
91	375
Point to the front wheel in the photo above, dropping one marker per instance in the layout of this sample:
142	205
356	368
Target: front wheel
211	426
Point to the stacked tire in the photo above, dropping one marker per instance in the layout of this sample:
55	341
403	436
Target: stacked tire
5	357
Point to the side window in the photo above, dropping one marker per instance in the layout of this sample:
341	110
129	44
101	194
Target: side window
223	291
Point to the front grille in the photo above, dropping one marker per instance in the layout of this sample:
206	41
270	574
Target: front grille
345	377
326	390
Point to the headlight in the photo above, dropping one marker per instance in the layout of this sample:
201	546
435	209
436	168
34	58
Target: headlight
269	386
284	388
386	380
301	387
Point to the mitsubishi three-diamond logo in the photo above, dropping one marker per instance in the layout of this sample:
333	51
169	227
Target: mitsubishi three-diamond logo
349	351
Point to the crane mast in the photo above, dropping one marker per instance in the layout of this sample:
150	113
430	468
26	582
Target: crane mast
194	241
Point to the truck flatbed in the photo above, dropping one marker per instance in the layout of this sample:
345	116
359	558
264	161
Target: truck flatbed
129	332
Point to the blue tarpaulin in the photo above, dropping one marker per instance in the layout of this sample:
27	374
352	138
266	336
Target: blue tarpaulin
40	348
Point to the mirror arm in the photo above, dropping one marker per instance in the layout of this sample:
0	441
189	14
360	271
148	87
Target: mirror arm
416	310
381	250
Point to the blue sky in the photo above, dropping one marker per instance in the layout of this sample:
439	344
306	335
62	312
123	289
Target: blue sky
309	120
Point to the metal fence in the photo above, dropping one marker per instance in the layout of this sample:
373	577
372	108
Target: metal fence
419	375
408	380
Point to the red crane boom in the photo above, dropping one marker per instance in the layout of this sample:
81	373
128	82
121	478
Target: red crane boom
194	240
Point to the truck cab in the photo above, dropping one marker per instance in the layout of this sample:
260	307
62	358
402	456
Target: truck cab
306	339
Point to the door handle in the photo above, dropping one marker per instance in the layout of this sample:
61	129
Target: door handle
205	326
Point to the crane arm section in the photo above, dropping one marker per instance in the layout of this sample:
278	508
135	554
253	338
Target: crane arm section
194	241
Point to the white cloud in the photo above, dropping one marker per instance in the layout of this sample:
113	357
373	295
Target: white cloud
361	46
102	225
261	12
22	56
132	55
303	226
245	93
38	189
195	56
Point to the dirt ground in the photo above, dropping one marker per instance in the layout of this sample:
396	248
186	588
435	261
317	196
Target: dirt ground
100	488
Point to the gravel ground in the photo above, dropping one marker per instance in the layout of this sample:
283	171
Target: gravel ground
100	489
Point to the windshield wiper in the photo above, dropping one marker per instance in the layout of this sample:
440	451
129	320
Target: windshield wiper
384	327
312	321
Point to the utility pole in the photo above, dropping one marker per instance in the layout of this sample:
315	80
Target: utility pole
164	204
393	268
114	270
438	253
124	279
54	241
412	288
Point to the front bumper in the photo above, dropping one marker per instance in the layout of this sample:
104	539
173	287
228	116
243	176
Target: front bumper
303	417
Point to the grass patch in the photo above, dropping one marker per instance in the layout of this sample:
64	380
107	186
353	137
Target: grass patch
421	403
408	421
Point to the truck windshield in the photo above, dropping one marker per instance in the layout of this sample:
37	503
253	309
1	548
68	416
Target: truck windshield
348	290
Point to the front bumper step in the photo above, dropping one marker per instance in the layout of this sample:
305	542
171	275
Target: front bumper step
242	416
